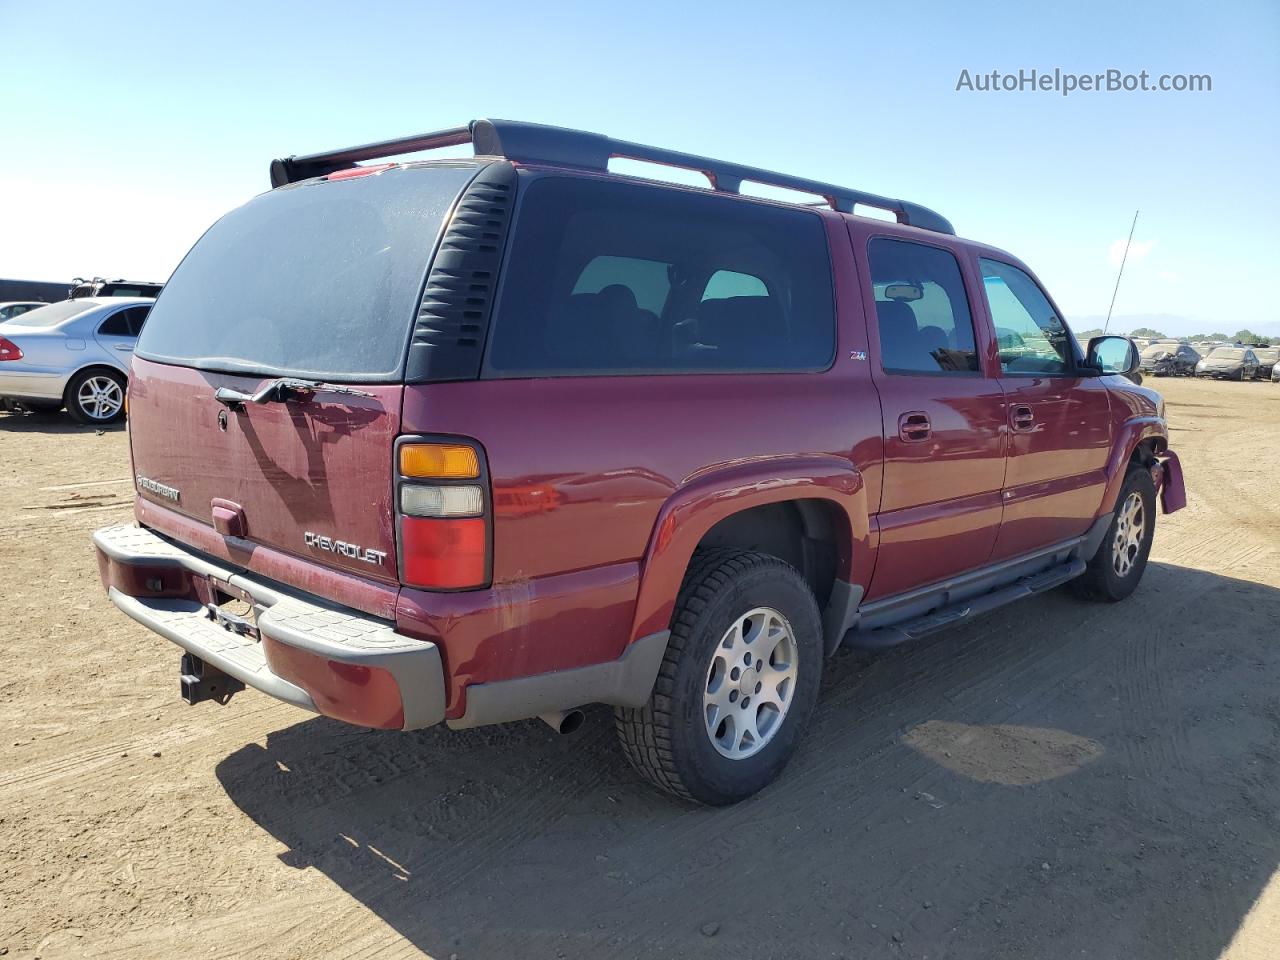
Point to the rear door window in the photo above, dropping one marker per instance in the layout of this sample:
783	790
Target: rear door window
116	325
608	277
317	279
922	310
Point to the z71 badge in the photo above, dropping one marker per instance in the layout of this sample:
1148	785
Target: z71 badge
344	549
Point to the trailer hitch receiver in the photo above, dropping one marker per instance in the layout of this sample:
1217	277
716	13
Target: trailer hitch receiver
201	682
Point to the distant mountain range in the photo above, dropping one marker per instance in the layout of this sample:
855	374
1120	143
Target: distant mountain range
1175	325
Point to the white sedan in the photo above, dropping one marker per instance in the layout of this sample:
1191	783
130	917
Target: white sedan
74	353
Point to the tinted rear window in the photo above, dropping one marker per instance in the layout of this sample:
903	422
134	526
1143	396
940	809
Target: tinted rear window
321	279
605	277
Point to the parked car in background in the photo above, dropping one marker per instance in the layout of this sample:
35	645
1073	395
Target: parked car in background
1168	359
74	353
98	287
15	308
631	443
1267	359
1229	363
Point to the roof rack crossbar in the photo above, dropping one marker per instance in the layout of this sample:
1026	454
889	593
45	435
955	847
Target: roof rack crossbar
537	143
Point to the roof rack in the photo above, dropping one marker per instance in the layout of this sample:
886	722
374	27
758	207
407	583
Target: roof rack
560	146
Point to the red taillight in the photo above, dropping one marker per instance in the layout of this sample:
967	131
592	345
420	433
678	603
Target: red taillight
9	350
442	500
447	554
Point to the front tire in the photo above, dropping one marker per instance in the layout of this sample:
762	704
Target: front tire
737	685
1116	568
96	397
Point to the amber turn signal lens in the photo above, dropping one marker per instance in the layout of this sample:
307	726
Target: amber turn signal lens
439	461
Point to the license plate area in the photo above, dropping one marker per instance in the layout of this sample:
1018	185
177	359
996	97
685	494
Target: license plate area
231	608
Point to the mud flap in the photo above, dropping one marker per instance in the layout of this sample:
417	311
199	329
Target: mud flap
1173	491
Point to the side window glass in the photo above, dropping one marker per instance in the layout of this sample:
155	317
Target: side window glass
921	309
1031	338
609	278
116	325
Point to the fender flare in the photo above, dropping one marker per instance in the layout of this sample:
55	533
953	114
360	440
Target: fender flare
1129	435
711	496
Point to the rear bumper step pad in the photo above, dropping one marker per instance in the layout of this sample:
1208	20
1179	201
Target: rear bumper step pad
334	657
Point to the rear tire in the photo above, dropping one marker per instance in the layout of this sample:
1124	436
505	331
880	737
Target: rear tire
1116	568
96	397
737	685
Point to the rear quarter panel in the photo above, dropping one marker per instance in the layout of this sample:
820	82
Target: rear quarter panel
583	468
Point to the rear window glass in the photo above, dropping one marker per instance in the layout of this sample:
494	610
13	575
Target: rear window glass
321	279
615	278
1227	353
53	313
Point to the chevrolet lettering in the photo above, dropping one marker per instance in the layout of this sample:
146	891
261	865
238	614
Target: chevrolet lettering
344	549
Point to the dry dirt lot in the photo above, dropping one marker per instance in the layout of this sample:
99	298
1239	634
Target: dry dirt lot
1058	780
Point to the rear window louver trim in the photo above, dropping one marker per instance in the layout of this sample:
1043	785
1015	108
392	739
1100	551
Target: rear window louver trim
457	301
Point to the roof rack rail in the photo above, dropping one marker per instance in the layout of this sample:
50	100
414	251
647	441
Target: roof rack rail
560	146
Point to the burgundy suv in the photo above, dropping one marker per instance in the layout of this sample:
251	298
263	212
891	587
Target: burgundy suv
471	441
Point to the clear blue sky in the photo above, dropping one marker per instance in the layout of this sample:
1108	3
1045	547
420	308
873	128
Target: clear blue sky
128	128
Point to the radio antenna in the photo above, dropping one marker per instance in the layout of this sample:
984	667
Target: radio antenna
1106	326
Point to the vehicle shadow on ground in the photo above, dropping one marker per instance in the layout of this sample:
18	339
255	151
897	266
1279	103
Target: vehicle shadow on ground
1061	779
50	423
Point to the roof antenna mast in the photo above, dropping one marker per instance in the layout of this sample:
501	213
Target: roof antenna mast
1106	326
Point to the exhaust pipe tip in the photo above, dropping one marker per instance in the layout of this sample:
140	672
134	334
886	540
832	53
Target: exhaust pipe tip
563	721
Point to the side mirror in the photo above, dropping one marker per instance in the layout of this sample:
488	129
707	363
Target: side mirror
1113	355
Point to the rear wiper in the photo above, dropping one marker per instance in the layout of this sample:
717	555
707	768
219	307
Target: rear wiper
283	390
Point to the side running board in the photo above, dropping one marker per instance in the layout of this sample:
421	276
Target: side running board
890	636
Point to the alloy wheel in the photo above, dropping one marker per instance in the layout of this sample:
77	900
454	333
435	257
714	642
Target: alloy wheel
100	397
1131	527
751	683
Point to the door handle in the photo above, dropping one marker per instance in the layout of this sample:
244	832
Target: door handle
1022	417
914	426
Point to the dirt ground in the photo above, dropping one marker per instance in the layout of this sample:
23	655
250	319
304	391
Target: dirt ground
1057	780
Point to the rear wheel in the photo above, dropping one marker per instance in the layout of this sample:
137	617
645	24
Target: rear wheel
96	396
737	685
1117	567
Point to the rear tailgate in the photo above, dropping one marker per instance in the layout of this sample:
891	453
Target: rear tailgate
310	477
318	284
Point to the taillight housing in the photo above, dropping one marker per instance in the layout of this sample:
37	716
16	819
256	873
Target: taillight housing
444	513
9	350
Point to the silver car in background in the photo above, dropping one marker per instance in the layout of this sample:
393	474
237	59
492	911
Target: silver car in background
16	308
74	353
